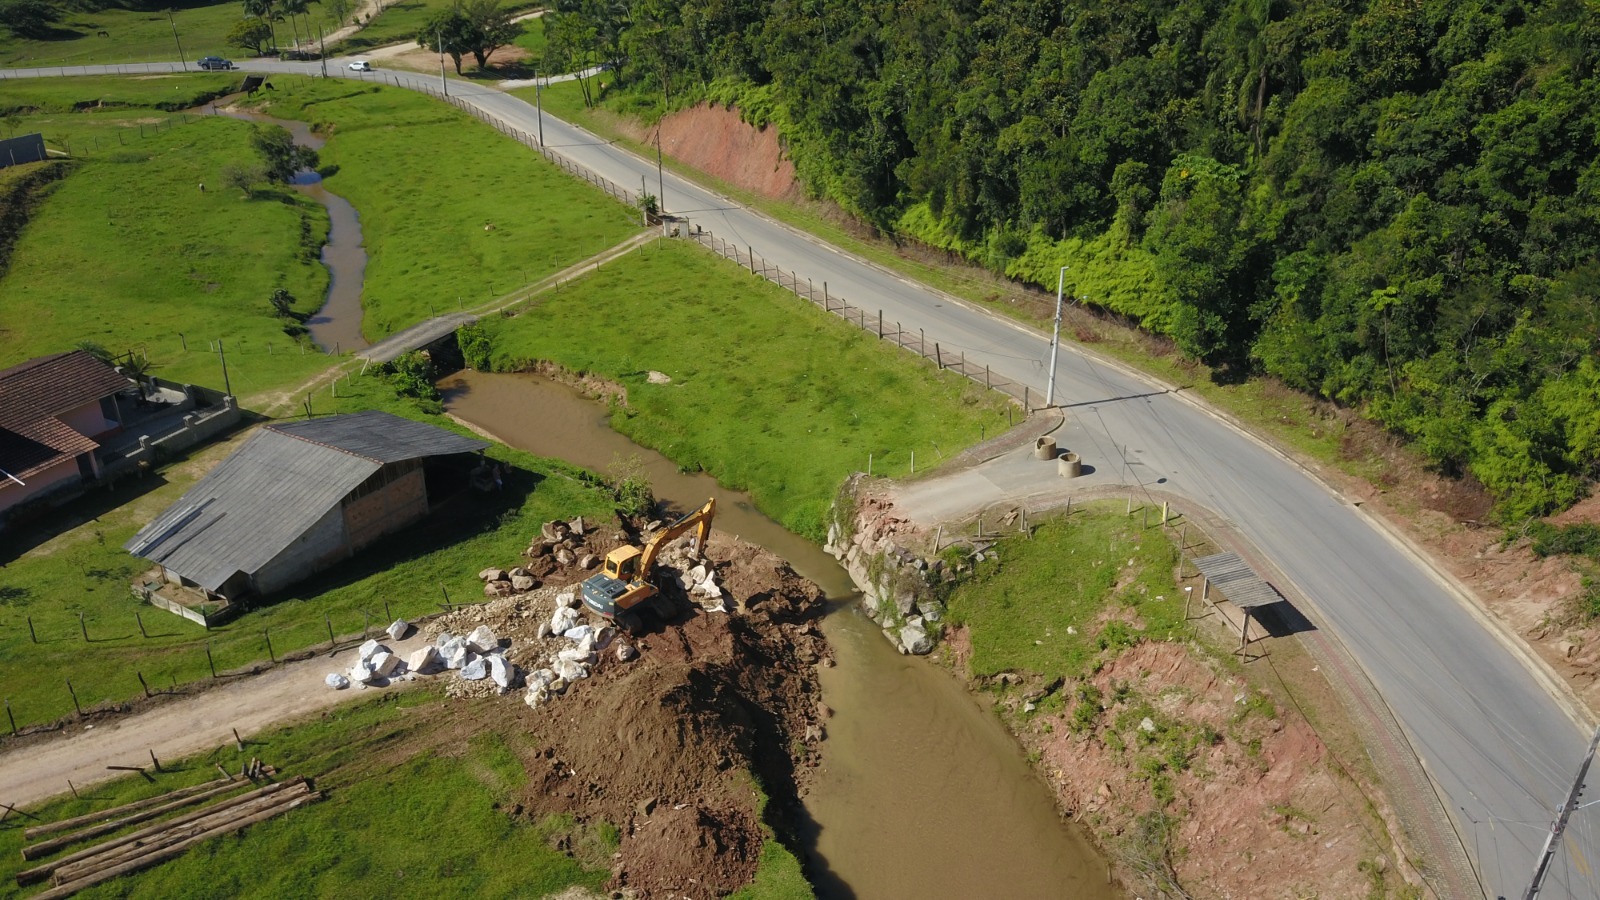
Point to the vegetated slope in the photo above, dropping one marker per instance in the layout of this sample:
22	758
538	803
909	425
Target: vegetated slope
21	189
83	32
1389	204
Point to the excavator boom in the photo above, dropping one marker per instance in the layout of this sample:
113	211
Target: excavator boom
625	581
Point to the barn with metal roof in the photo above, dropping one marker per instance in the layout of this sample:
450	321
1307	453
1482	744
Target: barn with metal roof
296	498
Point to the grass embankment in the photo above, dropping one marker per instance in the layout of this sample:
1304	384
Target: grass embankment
1288	417
168	93
768	393
132	35
128	252
478	215
398	816
61	568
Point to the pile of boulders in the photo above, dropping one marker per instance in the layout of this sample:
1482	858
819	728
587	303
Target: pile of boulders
572	663
696	575
479	656
559	545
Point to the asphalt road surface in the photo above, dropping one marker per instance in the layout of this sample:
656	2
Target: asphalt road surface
1495	731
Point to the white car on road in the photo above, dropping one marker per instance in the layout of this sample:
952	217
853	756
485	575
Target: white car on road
360	65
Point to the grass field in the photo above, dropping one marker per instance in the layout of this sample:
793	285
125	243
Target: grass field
768	393
477	216
129	253
132	35
1098	571
65	95
63	567
400	21
396	819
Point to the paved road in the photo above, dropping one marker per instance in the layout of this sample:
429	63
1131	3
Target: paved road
1493	728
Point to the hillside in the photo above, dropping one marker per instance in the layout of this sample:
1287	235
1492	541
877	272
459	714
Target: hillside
1388	204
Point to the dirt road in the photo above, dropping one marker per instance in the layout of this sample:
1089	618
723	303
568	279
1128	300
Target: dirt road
174	730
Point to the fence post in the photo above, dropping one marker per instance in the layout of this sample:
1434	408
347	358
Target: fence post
74	697
880	324
938	355
752	251
11	718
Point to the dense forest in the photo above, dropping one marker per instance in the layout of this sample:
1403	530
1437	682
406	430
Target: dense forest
1392	204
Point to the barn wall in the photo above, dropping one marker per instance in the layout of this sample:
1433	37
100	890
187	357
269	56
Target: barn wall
322	545
398	503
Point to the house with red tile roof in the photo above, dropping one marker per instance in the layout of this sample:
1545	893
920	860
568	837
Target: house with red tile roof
53	412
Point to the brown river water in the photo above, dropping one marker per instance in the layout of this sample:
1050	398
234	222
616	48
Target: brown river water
922	791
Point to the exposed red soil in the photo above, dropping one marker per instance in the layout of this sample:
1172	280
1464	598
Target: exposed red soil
716	141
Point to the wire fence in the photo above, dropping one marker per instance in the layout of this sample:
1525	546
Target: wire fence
873	322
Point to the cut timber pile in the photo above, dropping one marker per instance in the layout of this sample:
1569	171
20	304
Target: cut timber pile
164	840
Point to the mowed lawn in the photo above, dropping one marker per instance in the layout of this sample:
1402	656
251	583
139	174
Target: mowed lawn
452	212
397	814
69	564
132	35
769	394
127	251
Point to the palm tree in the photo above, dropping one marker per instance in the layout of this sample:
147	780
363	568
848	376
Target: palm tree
267	10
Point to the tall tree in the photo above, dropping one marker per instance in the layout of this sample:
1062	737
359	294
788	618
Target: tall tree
447	31
490	28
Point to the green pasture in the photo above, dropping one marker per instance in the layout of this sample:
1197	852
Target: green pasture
131	35
452	213
769	394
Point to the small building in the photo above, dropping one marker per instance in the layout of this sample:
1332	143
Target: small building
298	497
54	410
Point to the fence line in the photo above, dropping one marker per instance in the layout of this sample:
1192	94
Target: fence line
871	321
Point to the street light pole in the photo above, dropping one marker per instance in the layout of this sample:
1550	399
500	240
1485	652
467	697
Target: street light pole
181	61
1055	338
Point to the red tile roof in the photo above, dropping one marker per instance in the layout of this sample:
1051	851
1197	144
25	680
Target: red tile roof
32	394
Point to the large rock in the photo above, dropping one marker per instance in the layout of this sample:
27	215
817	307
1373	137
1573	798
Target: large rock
424	660
565	557
492	575
914	640
483	639
564	619
498	589
370	649
499	671
477	670
541	566
398	629
905	601
625	652
522	583
554	531
384	664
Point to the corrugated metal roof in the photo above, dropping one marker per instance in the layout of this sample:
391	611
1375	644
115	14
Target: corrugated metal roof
1237	581
380	436
270	491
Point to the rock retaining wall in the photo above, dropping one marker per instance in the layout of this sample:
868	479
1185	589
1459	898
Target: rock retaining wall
901	589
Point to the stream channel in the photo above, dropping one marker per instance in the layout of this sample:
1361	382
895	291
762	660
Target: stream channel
337	325
922	791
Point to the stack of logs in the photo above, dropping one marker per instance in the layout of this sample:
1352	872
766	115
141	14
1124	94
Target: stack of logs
156	843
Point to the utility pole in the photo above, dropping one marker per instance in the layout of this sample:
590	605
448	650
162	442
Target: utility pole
322	50
173	22
1560	824
227	386
437	39
538	103
1055	339
661	184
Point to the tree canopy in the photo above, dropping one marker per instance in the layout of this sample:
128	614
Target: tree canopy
1392	204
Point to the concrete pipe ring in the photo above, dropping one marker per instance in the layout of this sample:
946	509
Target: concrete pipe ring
1044	448
1069	466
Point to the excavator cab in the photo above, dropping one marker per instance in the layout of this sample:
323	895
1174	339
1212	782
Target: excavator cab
623	583
623	563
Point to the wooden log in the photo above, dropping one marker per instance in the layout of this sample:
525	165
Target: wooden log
176	850
45	848
40	873
65	824
171	835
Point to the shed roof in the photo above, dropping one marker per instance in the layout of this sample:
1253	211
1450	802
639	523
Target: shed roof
1237	581
32	394
273	489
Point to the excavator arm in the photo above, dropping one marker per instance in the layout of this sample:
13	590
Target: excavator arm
700	519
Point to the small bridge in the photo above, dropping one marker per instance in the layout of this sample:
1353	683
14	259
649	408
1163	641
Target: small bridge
418	337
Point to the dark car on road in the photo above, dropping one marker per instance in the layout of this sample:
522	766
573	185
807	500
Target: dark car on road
215	62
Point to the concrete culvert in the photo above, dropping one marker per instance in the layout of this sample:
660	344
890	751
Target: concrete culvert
1044	448
1069	466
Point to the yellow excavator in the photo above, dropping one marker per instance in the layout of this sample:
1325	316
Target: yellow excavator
623	589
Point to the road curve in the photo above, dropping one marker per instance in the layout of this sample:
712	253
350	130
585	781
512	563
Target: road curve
1497	733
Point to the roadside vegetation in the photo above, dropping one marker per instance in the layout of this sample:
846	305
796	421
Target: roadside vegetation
175	266
64	566
1293	207
397	811
480	214
768	393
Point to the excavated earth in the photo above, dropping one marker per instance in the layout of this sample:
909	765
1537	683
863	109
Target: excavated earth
668	746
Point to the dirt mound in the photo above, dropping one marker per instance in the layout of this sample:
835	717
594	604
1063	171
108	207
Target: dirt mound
664	746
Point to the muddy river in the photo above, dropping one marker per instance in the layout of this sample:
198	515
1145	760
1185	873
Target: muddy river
336	326
922	791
